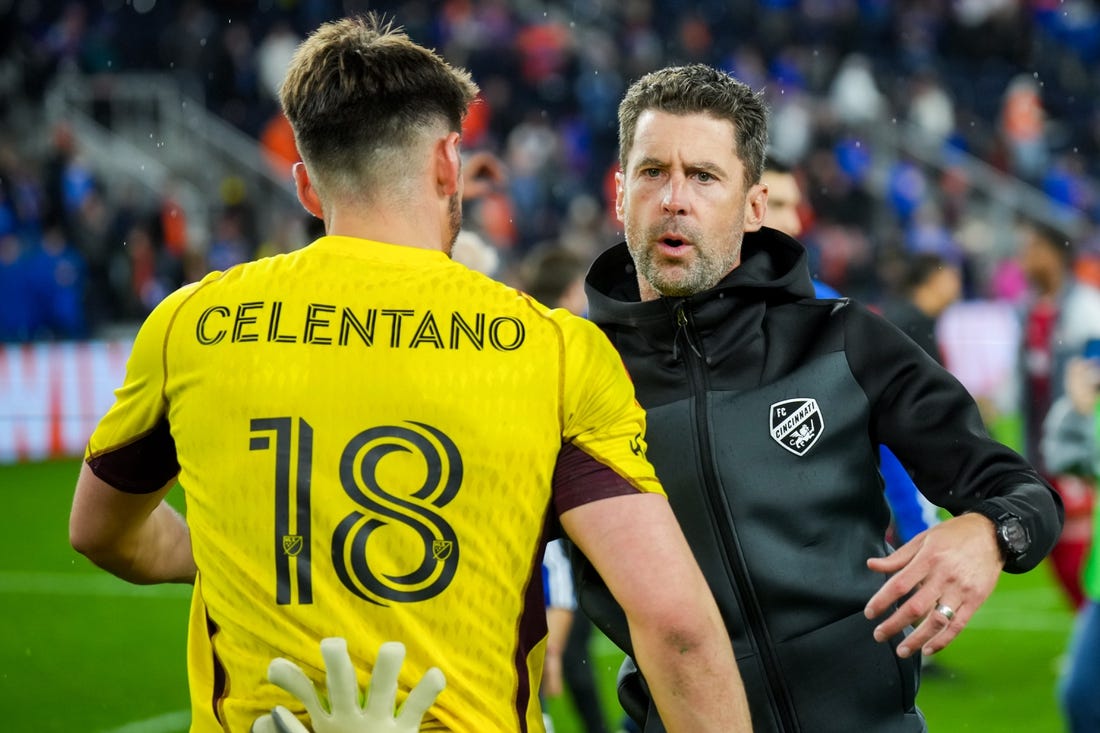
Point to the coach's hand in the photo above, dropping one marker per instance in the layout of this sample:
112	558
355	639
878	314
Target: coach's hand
950	570
346	715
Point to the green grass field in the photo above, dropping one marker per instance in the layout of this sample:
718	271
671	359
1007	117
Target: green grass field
82	652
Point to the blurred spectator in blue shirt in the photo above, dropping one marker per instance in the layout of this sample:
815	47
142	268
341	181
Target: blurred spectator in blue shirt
15	301
56	275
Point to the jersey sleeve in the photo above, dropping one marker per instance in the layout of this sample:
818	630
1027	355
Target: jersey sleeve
600	415
132	448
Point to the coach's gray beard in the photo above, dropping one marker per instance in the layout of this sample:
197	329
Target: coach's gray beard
679	279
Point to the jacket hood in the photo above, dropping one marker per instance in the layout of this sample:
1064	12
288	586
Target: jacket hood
771	261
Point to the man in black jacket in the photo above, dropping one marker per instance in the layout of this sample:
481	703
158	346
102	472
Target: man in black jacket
765	407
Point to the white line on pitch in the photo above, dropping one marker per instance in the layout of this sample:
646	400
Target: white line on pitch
176	722
84	584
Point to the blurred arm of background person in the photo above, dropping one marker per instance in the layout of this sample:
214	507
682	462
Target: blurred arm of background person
558	622
482	173
561	603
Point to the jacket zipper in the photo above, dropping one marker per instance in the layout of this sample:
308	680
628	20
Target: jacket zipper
778	694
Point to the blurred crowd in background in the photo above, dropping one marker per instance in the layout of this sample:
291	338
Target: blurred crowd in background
997	87
1008	82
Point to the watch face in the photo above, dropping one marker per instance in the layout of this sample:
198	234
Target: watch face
1015	536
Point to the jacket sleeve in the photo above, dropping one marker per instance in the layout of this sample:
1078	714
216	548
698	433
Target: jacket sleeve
929	420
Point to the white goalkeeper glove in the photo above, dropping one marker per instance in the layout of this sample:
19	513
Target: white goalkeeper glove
345	714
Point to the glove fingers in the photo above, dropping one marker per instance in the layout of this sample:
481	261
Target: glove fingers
343	687
421	698
264	724
290	677
382	693
285	722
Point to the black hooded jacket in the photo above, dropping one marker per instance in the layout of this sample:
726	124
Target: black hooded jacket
765	409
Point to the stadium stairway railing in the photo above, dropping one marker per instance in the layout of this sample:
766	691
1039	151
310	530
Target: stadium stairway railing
146	128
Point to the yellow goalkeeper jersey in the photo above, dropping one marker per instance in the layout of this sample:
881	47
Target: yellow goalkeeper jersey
373	441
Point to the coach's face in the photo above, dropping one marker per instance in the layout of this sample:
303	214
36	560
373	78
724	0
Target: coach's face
683	202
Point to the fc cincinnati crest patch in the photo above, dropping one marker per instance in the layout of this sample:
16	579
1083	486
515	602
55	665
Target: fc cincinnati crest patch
796	424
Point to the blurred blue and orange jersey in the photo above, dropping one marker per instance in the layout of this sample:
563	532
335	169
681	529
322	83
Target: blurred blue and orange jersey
371	440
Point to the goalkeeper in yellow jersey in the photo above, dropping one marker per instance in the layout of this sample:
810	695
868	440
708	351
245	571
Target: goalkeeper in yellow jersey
374	441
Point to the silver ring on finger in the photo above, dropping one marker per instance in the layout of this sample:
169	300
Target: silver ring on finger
946	611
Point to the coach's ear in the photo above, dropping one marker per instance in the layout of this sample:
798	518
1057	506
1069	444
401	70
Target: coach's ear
756	207
307	194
